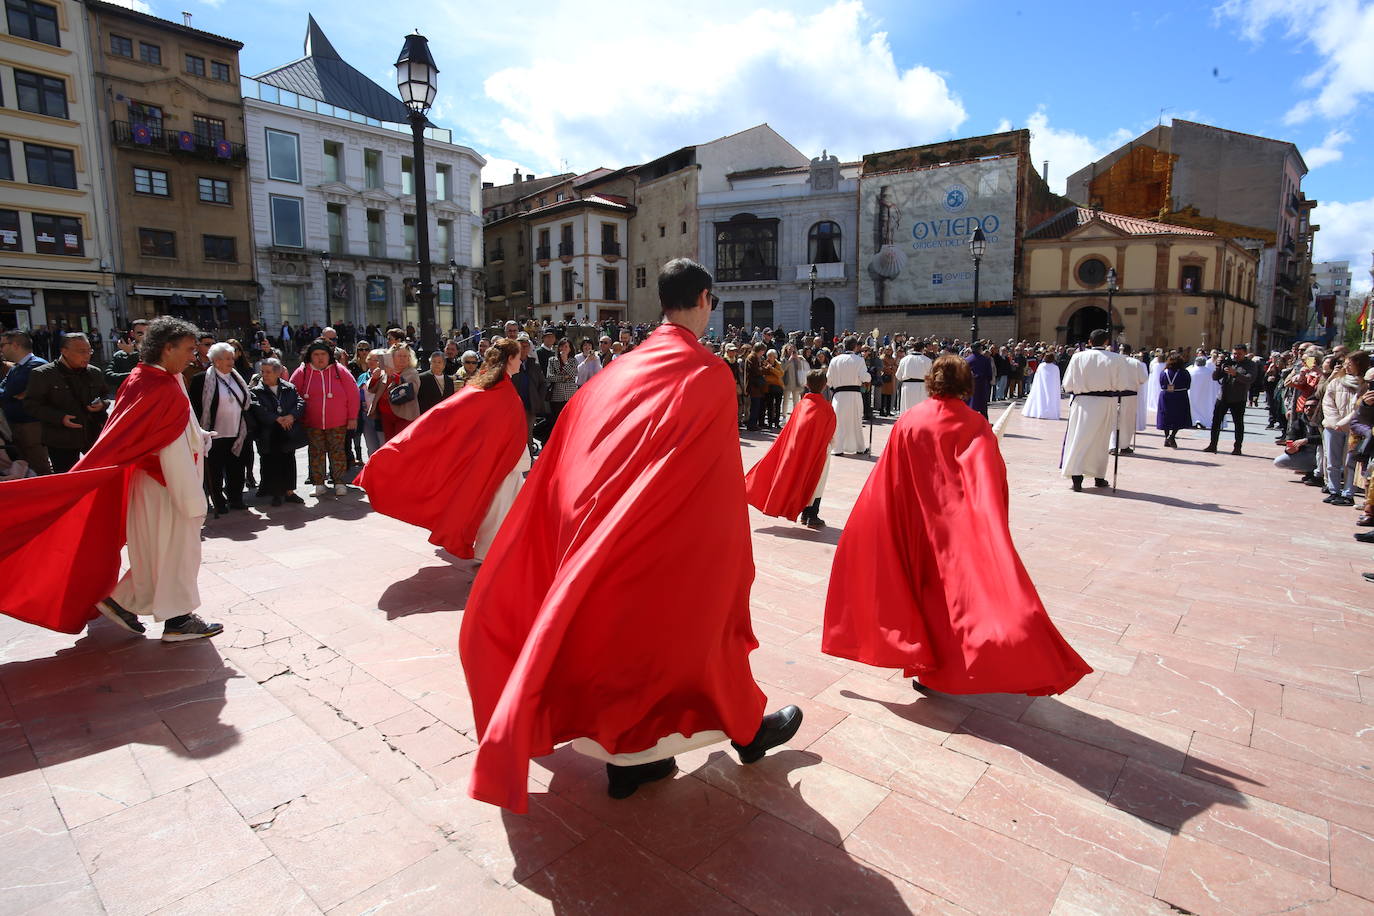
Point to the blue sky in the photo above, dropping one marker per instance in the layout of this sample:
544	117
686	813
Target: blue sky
552	86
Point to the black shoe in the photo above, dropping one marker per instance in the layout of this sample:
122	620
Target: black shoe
1365	521
1078	483
621	782
1368	577
1365	537
189	626
776	728
1211	449
815	523
1235	450
1342	501
1315	482
125	620
221	509
1100	483
293	498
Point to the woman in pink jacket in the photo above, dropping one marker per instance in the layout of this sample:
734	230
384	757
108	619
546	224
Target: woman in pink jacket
331	410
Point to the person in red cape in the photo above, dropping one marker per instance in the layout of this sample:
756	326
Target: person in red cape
613	609
140	483
456	470
788	481
926	577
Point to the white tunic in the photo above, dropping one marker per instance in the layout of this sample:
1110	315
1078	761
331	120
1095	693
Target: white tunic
1152	387
501	503
1203	392
1043	401
1091	419
846	370
163	529
1133	408
911	393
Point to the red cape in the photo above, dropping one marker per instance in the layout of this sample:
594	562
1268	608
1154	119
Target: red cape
926	577
783	483
60	543
442	471
614	604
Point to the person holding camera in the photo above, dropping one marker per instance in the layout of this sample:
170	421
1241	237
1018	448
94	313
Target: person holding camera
1235	375
68	396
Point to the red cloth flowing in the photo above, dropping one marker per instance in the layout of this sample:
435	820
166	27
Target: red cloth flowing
783	483
441	472
926	577
62	534
614	604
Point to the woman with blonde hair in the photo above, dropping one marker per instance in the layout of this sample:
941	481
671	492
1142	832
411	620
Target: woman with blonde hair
396	387
462	499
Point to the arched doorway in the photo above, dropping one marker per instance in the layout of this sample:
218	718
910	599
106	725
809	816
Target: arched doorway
1084	321
823	315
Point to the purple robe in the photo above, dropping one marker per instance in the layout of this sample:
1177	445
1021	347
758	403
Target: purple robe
983	374
1173	411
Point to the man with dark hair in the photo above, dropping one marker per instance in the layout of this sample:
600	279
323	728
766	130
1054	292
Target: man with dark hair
1234	374
984	376
69	398
581	626
846	377
126	354
1098	379
17	348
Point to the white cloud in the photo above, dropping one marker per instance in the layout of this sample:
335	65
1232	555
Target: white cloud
1341	32
1066	150
651	84
137	5
1329	151
501	171
1347	232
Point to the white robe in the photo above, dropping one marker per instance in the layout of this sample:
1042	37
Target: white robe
501	502
845	370
163	527
1043	401
1132	408
909	394
1152	388
1203	392
1091	419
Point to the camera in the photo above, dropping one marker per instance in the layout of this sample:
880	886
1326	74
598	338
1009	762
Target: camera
1227	362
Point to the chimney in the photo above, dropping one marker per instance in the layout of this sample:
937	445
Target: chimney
1046	174
529	176
488	184
517	177
185	18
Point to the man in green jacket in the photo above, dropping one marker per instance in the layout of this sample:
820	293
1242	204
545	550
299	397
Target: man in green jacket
69	397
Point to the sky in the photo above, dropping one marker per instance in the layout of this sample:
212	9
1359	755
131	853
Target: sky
570	86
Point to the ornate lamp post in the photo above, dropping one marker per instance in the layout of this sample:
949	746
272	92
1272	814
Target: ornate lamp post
977	246
453	290
811	318
1111	291
325	261
417	78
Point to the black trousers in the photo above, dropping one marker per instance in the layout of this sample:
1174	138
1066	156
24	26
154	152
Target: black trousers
62	459
1237	412
278	472
885	404
224	474
772	403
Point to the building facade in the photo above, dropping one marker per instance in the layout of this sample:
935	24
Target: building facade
579	258
333	190
1237	185
1177	286
176	168
762	236
1333	278
54	267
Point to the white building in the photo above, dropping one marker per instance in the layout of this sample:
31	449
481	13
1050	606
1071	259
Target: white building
761	237
332	171
579	272
1333	279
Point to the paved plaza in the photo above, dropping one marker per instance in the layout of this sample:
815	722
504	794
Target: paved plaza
315	757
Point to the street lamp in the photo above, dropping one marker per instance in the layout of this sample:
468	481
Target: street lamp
453	289
417	78
1111	291
812	316
325	261
977	245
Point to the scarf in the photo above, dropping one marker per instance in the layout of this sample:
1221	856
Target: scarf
209	396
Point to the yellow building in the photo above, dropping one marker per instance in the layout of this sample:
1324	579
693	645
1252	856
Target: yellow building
52	220
1175	286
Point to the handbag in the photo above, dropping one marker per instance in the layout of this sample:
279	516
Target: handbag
403	393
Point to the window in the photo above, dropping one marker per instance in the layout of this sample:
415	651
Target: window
545	287
57	235
641	280
151	181
34	21
747	249
761	312
1190	280
443	182
662	230
213	191
684	227
290	299
333	161
334	216
372	168
288	221
1092	272
195	65
50	166
559	196
823	244
6	164
121	46
283	156
219	248
219	71
567	285
376	234
149	115
565	241
149	54
733	313
610	284
407	175
157	243
443	239
41	94
408	235
10	239
609	243
207	130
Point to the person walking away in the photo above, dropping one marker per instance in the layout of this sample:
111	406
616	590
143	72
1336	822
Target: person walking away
1096	378
1132	417
911	376
1234	376
984	375
790	478
1174	410
69	398
1044	402
278	414
845	376
1202	391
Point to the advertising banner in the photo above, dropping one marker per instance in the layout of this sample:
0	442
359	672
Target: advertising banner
914	230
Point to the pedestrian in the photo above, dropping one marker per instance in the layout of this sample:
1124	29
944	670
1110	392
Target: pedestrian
331	409
1203	391
1235	378
789	480
794	371
911	376
1340	404
772	398
845	376
560	372
887	390
1132	416
435	383
69	397
219	398
1044	400
1174	411
125	357
555	641
1097	379
984	374
926	577
588	364
395	387
20	362
278	412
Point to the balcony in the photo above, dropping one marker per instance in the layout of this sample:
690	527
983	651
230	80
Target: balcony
541	254
833	271
496	255
1293	203
181	143
610	249
565	251
1287	281
1283	324
495	293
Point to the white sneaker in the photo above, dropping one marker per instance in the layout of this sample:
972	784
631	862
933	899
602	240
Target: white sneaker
320	490
340	489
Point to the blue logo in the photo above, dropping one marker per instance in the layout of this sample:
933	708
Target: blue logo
956	198
937	279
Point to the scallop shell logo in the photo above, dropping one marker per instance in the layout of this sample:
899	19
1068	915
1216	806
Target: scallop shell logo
956	198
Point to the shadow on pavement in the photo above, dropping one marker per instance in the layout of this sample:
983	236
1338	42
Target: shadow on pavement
431	588
830	534
1175	502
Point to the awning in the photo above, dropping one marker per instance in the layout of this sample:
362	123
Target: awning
35	283
169	291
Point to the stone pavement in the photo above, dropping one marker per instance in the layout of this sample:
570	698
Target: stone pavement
314	757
